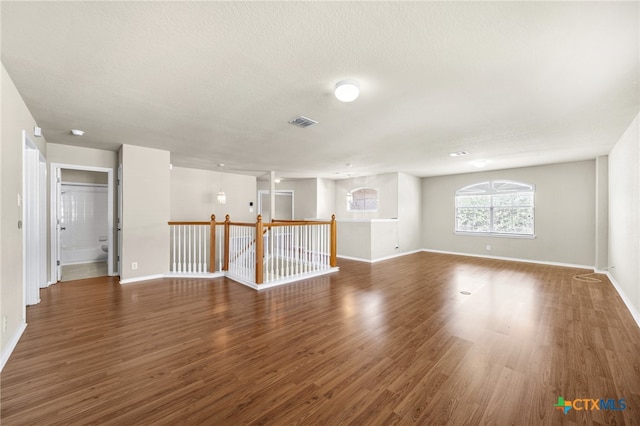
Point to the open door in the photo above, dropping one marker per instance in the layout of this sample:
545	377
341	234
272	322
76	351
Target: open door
34	221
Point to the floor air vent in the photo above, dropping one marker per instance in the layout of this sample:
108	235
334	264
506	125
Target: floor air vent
303	122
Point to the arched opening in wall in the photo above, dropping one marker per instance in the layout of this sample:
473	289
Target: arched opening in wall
362	200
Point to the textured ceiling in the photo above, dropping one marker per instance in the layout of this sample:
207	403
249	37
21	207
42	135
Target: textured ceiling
512	83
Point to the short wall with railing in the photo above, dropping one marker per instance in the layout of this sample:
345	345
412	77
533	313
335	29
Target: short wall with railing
284	251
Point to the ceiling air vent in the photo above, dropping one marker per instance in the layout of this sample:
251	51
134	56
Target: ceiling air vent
303	122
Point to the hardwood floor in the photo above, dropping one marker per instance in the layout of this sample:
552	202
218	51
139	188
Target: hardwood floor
390	343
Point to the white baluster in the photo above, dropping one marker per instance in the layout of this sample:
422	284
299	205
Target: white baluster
271	255
194	244
220	248
199	228
179	244
173	257
289	251
298	253
325	260
309	248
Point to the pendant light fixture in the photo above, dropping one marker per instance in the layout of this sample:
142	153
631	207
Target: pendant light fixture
349	193
221	197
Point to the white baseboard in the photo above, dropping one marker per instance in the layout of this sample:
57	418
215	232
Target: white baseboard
513	259
380	259
296	278
143	278
187	275
284	281
632	309
11	344
171	275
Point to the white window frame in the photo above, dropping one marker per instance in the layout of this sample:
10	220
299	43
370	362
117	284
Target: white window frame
495	187
349	209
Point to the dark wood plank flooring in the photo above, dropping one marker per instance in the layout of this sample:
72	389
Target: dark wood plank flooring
390	343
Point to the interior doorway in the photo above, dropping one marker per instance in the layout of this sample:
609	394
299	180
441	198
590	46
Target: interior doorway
283	205
82	230
34	220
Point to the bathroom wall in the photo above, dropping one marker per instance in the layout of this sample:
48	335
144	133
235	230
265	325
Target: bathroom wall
84	226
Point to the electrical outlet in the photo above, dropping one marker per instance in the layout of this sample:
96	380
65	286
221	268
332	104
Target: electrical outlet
488	247
134	265
4	323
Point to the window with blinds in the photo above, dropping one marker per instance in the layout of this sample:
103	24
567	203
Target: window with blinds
498	207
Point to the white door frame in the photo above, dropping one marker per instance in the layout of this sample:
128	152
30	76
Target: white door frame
119	218
33	221
55	212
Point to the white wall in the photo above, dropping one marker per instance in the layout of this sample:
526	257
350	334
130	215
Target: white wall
564	214
354	239
84	176
387	186
399	197
602	212
624	215
145	212
67	154
409	213
326	198
193	195
305	195
15	117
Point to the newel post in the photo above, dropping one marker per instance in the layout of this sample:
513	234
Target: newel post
259	250
227	221
212	244
334	243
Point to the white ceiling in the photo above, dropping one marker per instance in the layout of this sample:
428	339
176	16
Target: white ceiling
512	83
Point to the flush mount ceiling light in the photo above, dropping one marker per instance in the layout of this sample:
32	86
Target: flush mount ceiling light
76	132
458	153
347	90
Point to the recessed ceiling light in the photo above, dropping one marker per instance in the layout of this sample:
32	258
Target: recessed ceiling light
480	163
347	90
277	180
76	132
458	153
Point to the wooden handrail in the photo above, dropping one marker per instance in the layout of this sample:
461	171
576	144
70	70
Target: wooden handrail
252	225
261	229
301	221
296	222
195	223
